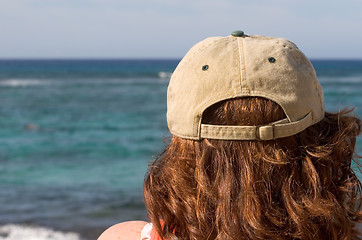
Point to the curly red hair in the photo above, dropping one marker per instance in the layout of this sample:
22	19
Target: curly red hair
298	187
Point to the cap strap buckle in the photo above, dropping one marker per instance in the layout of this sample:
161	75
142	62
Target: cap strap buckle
265	132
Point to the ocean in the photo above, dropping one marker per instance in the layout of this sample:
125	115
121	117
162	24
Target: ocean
76	137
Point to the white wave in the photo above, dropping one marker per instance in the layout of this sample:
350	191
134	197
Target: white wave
22	232
340	79
164	74
96	81
23	82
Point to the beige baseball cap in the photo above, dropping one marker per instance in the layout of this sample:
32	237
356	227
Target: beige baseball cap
241	65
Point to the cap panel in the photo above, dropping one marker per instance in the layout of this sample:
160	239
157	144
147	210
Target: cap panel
289	79
193	87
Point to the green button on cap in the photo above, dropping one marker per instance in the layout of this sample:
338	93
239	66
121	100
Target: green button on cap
237	33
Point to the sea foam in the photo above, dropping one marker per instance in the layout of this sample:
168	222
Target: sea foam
23	82
22	232
164	74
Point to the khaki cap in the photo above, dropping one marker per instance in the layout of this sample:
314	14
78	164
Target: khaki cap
240	65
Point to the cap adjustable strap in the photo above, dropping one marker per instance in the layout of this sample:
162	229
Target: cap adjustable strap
278	129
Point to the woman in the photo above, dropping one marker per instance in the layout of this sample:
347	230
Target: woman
253	154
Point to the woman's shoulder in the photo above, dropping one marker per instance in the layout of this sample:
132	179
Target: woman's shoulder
127	230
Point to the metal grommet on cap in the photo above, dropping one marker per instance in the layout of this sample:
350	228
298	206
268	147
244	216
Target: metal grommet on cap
271	60
205	67
237	33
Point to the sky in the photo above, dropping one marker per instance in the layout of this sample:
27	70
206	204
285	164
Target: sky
168	28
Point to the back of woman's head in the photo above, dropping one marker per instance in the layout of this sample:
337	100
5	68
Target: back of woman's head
297	187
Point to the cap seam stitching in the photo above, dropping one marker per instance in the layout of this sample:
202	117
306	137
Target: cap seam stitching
239	56
243	65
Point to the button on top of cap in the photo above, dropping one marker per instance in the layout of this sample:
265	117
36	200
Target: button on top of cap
237	33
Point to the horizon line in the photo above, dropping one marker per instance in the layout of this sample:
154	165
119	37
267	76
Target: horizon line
145	59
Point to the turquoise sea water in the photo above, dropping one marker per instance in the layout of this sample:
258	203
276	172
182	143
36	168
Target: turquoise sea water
76	135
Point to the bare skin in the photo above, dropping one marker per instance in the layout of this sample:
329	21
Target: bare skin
124	231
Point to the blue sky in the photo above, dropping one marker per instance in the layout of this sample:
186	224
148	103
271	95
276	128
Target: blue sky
168	28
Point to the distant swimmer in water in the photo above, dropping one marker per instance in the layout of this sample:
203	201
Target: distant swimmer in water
31	127
253	154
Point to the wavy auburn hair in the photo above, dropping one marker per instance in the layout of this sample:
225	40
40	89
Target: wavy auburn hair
298	187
